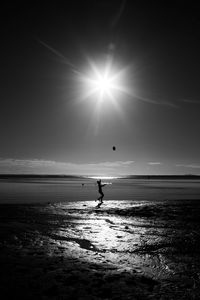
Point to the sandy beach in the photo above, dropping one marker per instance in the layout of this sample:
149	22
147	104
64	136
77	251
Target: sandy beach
127	249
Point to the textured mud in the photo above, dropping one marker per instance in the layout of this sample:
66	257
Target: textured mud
123	250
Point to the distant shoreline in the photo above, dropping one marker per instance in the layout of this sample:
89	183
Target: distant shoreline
156	177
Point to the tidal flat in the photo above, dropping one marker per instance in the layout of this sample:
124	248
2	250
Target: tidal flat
126	249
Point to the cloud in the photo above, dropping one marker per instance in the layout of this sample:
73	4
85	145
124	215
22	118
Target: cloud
154	163
193	166
39	166
114	164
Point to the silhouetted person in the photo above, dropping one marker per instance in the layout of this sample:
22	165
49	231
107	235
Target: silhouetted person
100	185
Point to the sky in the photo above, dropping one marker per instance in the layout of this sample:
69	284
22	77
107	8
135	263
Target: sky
55	118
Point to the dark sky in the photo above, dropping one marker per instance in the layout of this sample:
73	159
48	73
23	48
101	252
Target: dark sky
45	124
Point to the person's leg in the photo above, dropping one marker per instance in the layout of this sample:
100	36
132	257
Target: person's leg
102	195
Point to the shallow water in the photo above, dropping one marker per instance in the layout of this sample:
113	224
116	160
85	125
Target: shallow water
43	190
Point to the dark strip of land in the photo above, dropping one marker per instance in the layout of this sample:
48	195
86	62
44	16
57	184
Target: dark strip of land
156	177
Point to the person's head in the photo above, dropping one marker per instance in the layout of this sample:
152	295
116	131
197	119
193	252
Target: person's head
99	181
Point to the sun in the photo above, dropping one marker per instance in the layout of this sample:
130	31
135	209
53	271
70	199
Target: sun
103	85
102	82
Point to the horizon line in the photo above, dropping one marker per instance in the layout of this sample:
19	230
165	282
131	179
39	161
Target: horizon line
96	176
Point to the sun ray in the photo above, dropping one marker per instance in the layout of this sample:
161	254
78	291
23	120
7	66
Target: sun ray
116	106
104	85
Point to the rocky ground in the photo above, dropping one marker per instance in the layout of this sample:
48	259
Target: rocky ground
123	250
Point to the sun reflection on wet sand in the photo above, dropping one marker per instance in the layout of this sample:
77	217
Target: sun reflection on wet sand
92	235
128	240
98	235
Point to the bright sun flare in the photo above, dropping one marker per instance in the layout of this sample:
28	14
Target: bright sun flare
103	82
104	85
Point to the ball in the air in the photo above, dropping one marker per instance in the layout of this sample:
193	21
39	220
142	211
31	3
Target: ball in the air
114	148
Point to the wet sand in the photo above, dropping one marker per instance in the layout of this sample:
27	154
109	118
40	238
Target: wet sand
123	250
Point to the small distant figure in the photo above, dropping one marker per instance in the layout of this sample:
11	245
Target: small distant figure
114	148
100	185
83	184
